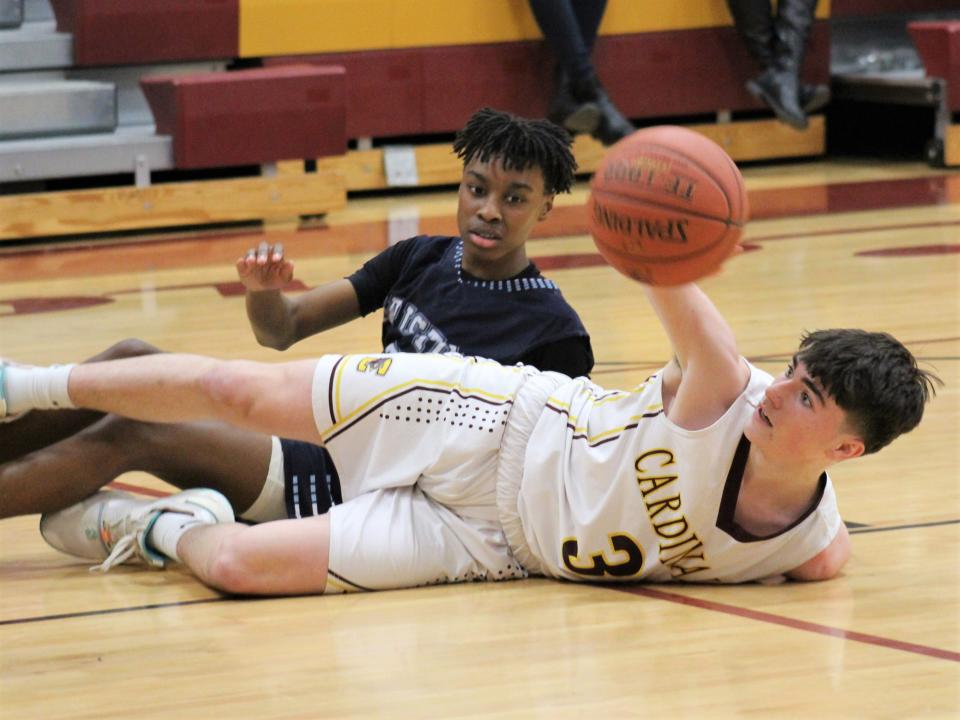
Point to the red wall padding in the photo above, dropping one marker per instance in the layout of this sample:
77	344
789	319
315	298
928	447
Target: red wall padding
939	46
841	8
124	32
435	89
250	117
691	72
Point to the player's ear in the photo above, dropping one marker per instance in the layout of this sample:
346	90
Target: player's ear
546	207
849	447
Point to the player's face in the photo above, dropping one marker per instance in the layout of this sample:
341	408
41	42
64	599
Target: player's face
496	212
798	423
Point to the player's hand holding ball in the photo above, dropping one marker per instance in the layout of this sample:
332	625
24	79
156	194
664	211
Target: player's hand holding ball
667	206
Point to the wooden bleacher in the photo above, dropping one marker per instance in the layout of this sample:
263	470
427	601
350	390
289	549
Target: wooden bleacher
390	71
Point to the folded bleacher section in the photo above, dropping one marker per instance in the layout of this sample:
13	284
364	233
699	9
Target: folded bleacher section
131	114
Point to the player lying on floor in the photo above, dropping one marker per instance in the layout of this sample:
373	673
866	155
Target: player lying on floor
456	469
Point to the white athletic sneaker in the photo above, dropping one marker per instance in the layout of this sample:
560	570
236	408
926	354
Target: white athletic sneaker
4	417
112	526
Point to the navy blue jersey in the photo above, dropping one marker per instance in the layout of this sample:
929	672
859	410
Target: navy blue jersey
430	304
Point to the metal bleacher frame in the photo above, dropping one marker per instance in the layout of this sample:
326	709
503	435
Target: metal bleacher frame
126	155
875	63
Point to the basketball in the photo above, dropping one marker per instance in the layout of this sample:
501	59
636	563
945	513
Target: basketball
667	206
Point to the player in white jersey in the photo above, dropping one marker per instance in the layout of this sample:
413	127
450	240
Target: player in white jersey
457	468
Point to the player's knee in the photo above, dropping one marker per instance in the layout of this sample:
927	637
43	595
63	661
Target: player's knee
229	569
118	443
131	347
118	431
230	385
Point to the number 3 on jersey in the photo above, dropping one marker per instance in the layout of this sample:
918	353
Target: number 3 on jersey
628	558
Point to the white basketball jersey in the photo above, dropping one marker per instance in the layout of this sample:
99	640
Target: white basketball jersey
613	490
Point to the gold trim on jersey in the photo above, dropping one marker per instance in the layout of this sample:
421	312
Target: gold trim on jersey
579	432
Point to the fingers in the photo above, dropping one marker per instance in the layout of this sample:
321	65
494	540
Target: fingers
262	254
264	267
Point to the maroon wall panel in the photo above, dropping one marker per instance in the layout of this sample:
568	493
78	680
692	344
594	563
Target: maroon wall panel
691	72
435	89
384	89
123	32
458	80
939	46
250	117
649	75
841	8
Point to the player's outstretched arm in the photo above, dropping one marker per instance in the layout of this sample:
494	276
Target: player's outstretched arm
712	373
279	321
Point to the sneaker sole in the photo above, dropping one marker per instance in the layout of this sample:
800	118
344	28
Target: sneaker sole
86	540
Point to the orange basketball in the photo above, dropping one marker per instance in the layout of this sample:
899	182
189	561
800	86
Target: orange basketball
666	206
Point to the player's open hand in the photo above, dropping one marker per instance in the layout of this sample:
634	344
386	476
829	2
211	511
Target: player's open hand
264	268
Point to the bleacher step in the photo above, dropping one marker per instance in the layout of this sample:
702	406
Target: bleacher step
86	155
35	46
11	13
52	107
34	10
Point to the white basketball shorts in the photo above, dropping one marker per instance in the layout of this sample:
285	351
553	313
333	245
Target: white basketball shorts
416	440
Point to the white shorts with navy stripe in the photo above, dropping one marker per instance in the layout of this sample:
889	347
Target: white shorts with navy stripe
416	440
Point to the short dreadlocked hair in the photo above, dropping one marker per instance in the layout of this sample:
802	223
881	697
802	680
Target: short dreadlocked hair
519	144
873	378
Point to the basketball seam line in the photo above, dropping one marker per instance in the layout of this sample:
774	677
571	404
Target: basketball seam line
687	211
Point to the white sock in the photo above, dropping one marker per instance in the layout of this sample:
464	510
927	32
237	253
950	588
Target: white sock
36	388
169	528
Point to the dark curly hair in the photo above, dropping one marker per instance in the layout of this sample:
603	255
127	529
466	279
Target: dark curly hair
873	378
519	144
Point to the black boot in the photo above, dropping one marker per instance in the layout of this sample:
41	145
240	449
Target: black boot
755	23
753	20
781	86
612	125
813	97
779	90
578	112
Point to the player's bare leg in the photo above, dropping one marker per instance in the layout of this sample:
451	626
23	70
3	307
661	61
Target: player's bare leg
264	397
40	428
187	455
284	557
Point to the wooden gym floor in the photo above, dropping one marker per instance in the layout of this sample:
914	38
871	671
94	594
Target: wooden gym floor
861	243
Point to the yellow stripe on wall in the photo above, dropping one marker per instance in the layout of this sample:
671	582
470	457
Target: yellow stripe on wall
290	27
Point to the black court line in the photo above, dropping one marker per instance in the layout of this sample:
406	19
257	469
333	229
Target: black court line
854	528
911	526
112	611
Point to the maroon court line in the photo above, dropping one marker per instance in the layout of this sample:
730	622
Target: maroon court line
718	607
855	230
767	204
791	623
138	489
